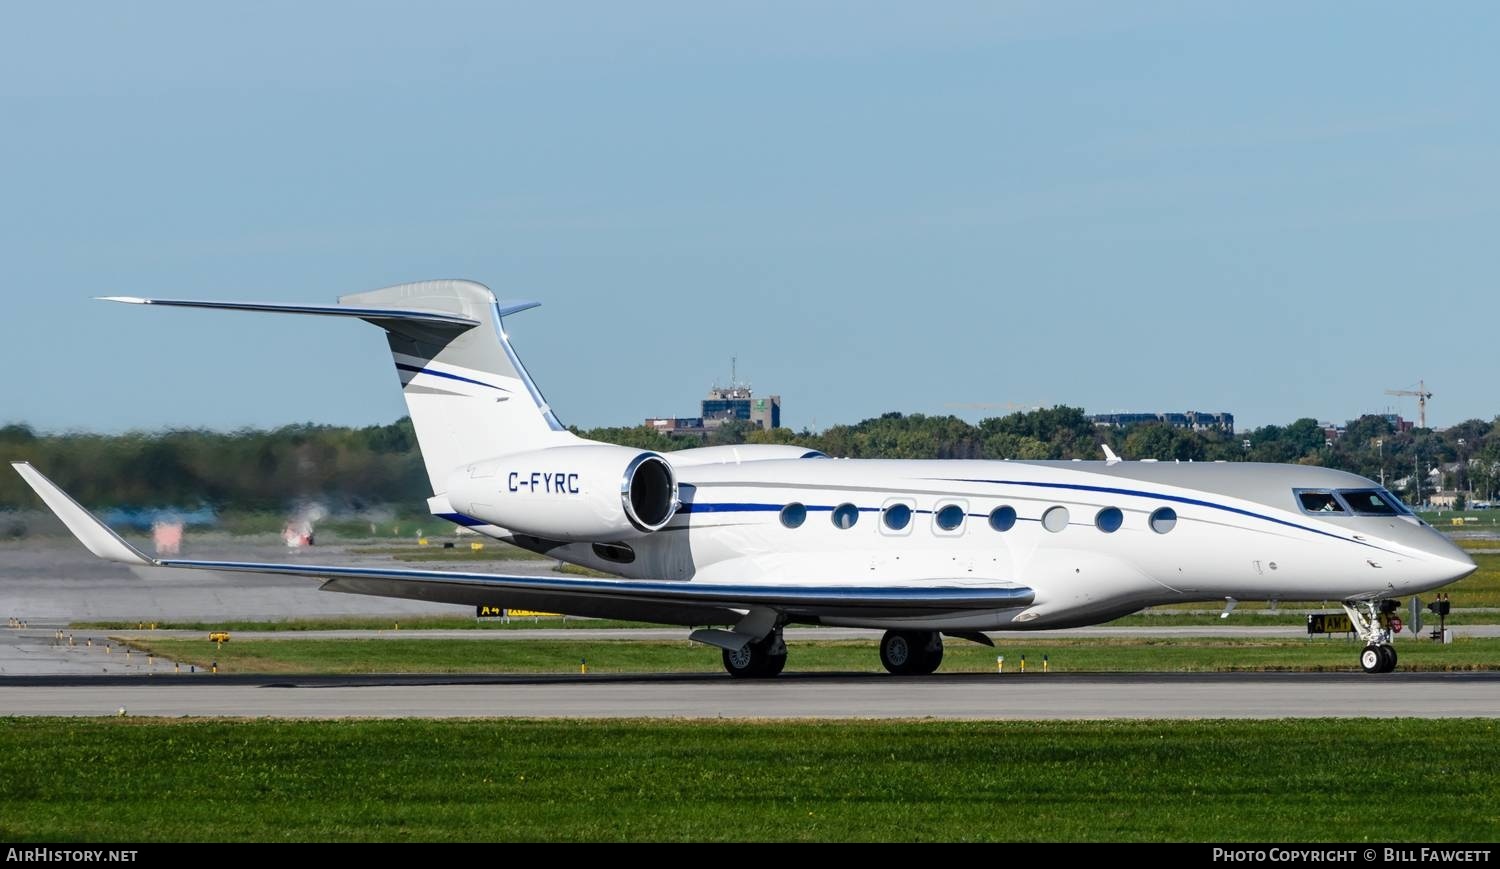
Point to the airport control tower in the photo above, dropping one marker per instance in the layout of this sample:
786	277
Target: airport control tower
736	401
724	404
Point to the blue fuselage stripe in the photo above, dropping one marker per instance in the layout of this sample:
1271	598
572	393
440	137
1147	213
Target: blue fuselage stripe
461	519
744	507
1197	502
419	370
732	508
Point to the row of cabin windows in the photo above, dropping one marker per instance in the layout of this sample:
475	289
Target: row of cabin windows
950	518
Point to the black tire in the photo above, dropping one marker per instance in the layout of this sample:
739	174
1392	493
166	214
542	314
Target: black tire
911	653
1389	653
932	654
775	654
1372	660
747	663
757	660
897	651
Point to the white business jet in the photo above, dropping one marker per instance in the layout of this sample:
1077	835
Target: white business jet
752	538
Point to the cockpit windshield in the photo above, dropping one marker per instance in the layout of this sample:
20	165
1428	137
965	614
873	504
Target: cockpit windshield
1350	502
1373	502
1319	502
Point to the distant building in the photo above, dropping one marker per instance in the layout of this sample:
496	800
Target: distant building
724	404
736	402
1196	420
1333	431
1397	423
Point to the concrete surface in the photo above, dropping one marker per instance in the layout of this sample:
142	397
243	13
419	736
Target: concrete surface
1054	696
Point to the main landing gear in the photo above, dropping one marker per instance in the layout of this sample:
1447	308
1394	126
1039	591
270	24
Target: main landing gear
904	653
911	653
757	660
1378	655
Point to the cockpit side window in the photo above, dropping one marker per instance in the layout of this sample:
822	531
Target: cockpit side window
1319	502
1396	503
1371	502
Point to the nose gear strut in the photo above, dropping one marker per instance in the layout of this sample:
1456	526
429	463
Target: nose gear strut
1369	620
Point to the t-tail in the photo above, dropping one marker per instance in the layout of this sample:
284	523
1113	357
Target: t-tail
469	396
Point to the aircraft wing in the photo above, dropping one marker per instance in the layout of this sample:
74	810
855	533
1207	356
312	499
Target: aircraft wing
679	601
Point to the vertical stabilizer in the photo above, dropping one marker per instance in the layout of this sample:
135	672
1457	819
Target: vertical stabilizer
469	396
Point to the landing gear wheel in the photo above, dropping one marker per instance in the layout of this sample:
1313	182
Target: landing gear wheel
1369	620
911	653
759	660
932	654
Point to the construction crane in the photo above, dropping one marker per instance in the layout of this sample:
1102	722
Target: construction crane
1421	394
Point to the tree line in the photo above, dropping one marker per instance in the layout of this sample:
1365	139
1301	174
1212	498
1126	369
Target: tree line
352	468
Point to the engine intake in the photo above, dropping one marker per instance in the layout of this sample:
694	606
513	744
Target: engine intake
649	492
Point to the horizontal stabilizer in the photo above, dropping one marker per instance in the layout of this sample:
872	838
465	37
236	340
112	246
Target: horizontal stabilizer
387	318
453	359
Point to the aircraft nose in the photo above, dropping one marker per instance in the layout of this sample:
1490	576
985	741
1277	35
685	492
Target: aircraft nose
1448	562
1462	565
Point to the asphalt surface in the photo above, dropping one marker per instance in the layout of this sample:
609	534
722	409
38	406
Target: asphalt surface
56	579
851	696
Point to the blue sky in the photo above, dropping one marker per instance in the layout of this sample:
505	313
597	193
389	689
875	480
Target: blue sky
1276	209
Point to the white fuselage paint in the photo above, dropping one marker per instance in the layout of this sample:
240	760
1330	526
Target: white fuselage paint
1222	545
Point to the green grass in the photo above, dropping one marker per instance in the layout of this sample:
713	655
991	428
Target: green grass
1295	780
1479	589
1473	543
1158	618
1172	617
632	656
1443	519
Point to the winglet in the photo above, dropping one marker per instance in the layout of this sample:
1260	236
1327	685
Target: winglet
1109	455
92	533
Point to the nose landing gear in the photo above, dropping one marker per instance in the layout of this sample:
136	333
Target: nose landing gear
1378	659
1378	655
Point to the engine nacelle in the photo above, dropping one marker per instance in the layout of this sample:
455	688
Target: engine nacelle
590	492
739	454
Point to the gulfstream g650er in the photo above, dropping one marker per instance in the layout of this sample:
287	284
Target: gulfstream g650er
752	538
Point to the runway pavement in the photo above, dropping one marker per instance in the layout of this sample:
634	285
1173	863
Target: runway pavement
55	578
1053	696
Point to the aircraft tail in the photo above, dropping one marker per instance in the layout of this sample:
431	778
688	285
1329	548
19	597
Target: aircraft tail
469	396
